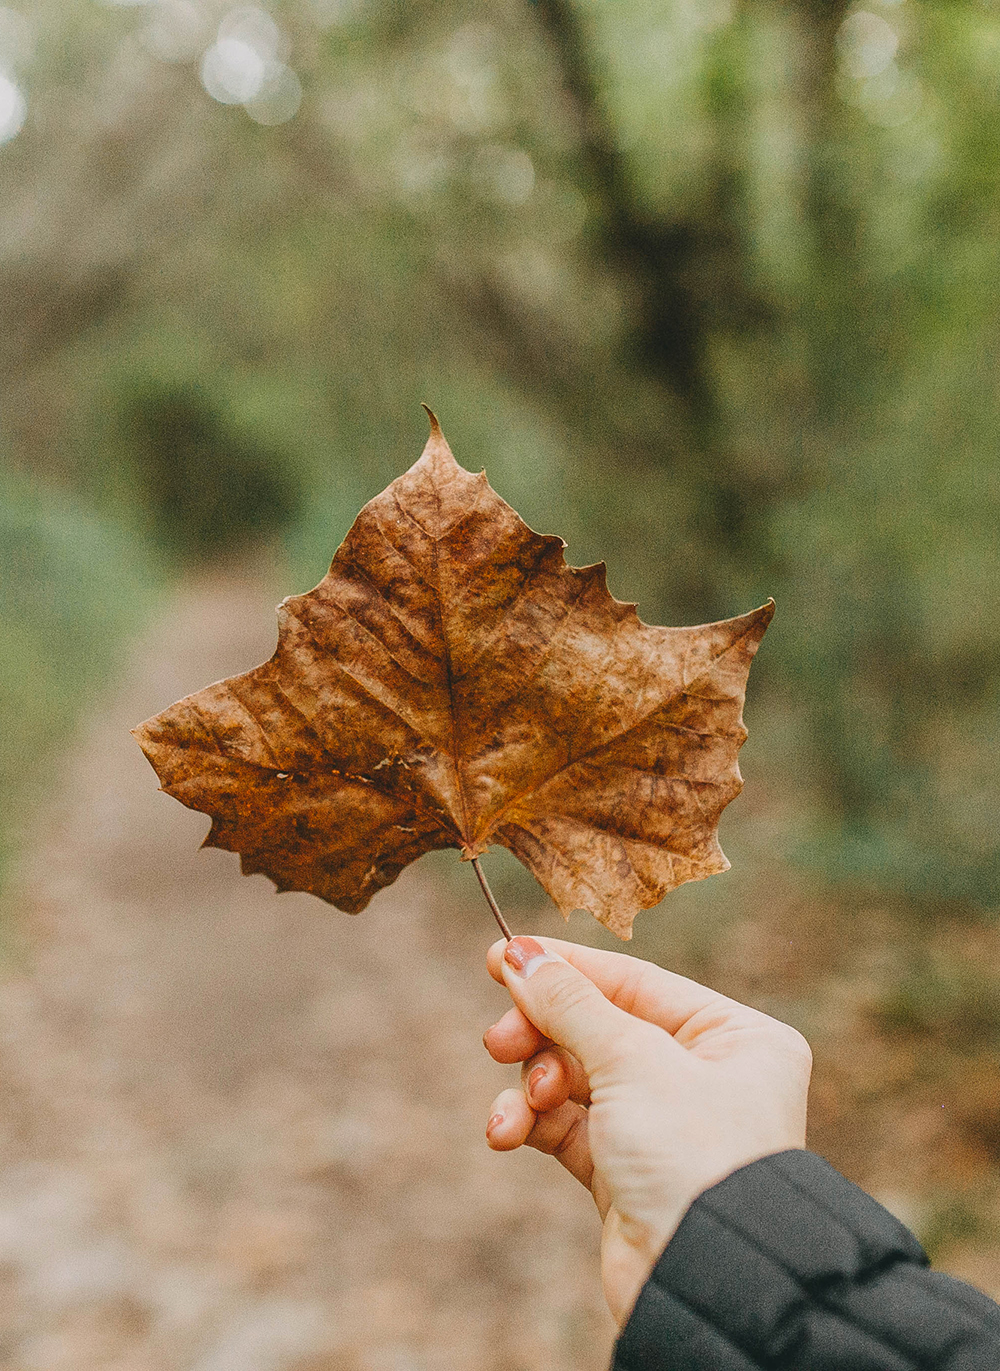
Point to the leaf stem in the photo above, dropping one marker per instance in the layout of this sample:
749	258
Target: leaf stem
490	900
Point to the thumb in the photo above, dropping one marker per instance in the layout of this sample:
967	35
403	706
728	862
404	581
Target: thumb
568	1008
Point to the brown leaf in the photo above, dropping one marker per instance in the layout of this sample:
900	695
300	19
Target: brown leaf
451	682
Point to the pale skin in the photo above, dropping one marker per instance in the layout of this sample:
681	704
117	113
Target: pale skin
646	1086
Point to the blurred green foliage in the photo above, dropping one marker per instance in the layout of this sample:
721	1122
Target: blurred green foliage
704	284
206	487
73	589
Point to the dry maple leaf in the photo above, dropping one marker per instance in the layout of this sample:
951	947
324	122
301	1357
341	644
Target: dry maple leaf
451	682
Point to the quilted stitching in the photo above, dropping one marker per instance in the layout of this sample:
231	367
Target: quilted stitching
851	1318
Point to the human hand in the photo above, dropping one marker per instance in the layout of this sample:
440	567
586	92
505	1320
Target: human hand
647	1087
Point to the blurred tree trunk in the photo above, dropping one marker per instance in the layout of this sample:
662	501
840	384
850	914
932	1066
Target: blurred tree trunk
693	277
665	261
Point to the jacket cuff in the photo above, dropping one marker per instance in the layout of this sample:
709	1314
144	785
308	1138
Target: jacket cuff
758	1267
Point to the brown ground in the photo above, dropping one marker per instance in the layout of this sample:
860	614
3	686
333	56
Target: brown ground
244	1133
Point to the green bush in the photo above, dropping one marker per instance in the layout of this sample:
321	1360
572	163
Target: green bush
74	589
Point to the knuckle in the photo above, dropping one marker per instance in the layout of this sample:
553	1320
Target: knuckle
795	1044
779	1034
566	994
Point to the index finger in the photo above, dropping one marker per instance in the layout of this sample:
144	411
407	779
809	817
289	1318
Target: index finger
641	988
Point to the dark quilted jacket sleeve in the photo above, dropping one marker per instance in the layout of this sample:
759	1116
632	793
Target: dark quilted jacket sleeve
786	1265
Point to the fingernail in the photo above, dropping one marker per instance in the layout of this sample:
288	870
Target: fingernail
525	956
494	1122
486	1035
535	1079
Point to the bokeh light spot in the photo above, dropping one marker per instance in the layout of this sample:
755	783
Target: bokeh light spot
232	71
255	27
13	109
246	66
866	44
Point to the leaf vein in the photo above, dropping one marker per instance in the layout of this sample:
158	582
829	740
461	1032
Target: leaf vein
624	733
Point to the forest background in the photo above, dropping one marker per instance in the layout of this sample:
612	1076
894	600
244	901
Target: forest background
707	286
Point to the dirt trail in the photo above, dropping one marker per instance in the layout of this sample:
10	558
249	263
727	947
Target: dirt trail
242	1132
